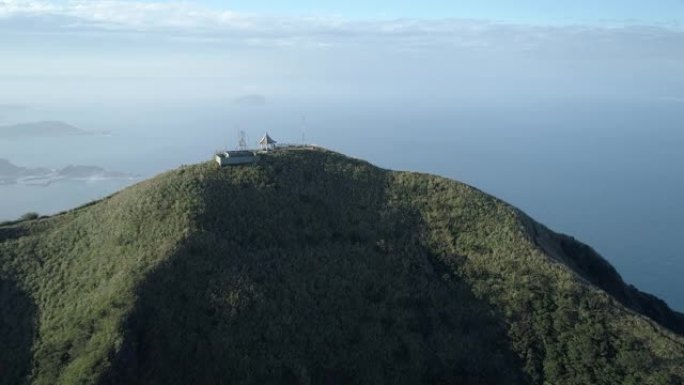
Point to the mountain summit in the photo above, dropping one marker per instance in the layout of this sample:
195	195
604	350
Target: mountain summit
309	267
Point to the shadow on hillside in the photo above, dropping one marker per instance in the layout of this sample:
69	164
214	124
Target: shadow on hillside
17	331
307	275
11	232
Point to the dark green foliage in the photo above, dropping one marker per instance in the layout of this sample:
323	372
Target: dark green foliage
565	330
17	332
309	283
587	263
312	268
29	216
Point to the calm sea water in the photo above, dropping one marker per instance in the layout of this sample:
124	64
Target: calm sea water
608	173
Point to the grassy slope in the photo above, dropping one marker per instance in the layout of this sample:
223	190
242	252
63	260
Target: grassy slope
566	330
310	267
80	271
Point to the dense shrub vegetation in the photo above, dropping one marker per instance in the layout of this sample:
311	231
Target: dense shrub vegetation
313	268
29	216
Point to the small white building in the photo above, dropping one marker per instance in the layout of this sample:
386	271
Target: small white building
230	158
267	143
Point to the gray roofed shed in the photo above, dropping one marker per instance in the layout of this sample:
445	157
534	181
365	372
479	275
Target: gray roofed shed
229	158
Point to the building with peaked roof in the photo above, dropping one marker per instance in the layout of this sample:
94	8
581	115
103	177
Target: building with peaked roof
267	143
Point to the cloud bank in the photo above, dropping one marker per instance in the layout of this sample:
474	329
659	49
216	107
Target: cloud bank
200	24
278	55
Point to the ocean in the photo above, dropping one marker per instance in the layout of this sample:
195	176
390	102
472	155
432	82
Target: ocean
609	173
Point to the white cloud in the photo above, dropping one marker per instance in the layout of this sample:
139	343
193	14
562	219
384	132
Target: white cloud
172	41
10	8
192	22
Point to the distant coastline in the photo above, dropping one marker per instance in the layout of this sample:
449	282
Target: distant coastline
11	174
48	128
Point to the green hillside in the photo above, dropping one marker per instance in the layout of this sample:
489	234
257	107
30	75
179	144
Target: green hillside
313	268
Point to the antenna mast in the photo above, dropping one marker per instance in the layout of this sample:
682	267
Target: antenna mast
242	140
303	130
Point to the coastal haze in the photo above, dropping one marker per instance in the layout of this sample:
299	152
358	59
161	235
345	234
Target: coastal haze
578	123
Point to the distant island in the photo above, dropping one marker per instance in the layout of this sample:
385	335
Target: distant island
11	174
43	129
250	100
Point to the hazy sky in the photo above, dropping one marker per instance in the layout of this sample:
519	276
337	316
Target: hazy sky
526	11
429	50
